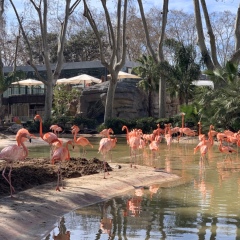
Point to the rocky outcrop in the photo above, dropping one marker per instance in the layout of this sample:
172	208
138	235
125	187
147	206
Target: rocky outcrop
130	101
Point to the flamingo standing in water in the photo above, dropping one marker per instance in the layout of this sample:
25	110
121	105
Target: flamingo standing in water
106	132
13	153
81	141
168	135
106	145
60	154
48	137
226	149
203	147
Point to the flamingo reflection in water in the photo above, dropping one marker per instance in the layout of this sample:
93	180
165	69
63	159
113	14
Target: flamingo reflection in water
63	233
134	203
153	189
106	221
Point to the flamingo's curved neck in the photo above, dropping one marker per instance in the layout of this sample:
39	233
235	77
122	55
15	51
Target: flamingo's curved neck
40	127
75	136
21	142
69	142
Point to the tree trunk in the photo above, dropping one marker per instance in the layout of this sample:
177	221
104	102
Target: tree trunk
201	42
48	102
110	100
162	98
158	57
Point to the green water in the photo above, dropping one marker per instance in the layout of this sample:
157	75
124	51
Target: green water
203	205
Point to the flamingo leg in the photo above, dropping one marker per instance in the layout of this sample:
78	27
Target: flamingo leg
9	179
59	178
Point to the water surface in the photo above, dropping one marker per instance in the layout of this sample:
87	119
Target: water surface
203	205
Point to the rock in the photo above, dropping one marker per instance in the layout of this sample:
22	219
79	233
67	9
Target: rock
14	128
130	101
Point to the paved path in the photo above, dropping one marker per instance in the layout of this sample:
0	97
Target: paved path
33	213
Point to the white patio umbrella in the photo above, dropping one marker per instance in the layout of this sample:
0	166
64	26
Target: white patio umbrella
28	82
122	74
80	79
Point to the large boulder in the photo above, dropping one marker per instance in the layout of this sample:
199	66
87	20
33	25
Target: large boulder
130	101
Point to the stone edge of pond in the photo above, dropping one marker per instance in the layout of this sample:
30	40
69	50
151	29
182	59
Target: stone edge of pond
33	213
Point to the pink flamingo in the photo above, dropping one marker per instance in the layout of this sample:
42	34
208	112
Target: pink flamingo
203	147
106	132
211	134
226	149
134	143
81	141
153	146
61	154
168	135
105	145
19	135
48	137
56	129
13	153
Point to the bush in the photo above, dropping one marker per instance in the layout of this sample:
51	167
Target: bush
146	124
85	122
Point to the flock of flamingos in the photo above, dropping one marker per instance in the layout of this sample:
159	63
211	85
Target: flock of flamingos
136	140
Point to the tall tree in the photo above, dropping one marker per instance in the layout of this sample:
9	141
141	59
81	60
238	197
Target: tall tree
158	55
117	41
42	10
182	71
210	55
150	73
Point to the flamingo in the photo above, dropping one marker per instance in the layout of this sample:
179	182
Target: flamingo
56	129
19	135
168	135
134	143
106	132
211	133
61	154
105	145
203	147
226	149
81	141
48	137
153	146
13	153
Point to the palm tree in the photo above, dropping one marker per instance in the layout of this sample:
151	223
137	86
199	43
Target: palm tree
221	104
149	71
181	71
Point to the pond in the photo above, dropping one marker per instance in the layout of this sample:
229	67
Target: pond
203	205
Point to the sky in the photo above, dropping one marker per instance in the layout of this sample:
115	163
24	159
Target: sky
187	5
184	5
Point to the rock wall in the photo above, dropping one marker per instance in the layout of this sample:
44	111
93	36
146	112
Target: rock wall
130	101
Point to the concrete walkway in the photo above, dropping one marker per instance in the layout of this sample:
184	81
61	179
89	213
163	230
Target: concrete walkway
33	213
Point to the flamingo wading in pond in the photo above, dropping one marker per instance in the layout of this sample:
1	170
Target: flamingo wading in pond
48	137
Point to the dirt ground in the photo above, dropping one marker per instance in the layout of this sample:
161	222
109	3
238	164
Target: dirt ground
34	172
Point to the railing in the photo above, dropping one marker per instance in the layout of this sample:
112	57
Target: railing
23	90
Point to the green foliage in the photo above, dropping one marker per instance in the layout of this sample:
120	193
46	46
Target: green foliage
116	124
220	106
83	46
63	97
191	112
11	77
146	124
85	122
182	71
149	71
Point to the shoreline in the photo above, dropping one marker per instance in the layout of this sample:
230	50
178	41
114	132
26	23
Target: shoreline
32	213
